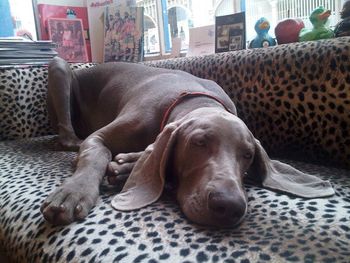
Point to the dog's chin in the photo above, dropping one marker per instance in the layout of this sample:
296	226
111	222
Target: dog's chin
202	216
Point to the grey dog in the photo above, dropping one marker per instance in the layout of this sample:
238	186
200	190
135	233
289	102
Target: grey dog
166	122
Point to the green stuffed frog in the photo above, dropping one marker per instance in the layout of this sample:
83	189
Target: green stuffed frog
320	30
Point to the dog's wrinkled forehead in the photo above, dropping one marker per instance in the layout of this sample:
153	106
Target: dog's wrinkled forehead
220	122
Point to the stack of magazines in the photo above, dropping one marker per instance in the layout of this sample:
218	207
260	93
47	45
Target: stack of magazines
19	52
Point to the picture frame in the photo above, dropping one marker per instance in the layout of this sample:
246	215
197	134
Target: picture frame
68	35
230	32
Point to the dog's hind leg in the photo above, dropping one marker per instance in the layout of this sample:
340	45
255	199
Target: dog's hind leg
59	102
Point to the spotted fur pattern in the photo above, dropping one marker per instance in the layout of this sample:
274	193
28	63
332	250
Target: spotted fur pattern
278	228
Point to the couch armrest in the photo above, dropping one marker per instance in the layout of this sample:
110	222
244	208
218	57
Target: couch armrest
23	102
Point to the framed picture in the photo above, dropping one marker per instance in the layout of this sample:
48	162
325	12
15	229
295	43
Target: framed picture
230	32
69	38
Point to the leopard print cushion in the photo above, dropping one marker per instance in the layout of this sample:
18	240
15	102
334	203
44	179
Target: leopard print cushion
295	98
23	112
22	103
277	228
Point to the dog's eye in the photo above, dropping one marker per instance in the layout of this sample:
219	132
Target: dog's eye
248	156
199	141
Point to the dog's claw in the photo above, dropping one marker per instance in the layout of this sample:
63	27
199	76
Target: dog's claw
131	157
78	209
62	208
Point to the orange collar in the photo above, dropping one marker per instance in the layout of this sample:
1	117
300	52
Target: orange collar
179	99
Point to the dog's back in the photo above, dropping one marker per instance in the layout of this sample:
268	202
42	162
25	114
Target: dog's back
106	91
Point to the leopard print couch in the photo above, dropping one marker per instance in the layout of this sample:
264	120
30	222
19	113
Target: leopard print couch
295	99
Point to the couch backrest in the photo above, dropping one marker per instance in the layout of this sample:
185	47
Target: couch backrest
294	98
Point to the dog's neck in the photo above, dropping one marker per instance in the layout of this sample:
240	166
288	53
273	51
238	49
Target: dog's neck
189	104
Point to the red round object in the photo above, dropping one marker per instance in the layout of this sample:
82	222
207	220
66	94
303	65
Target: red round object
287	31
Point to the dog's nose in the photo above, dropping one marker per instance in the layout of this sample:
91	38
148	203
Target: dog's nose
228	207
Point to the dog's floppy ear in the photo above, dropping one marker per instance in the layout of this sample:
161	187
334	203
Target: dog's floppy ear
279	176
146	181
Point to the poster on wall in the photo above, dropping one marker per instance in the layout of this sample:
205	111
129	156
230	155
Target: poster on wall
230	32
68	36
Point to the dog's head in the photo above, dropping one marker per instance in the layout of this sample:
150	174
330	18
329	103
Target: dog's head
210	153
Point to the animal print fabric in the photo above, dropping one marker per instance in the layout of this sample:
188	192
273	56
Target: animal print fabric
294	98
23	112
277	228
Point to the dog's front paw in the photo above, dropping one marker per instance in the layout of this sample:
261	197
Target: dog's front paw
70	202
119	169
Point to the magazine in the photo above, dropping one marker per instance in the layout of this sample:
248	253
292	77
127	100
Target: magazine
46	11
96	15
230	32
96	10
68	36
19	51
123	33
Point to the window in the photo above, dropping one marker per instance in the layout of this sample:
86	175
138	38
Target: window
18	18
151	30
276	10
167	19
